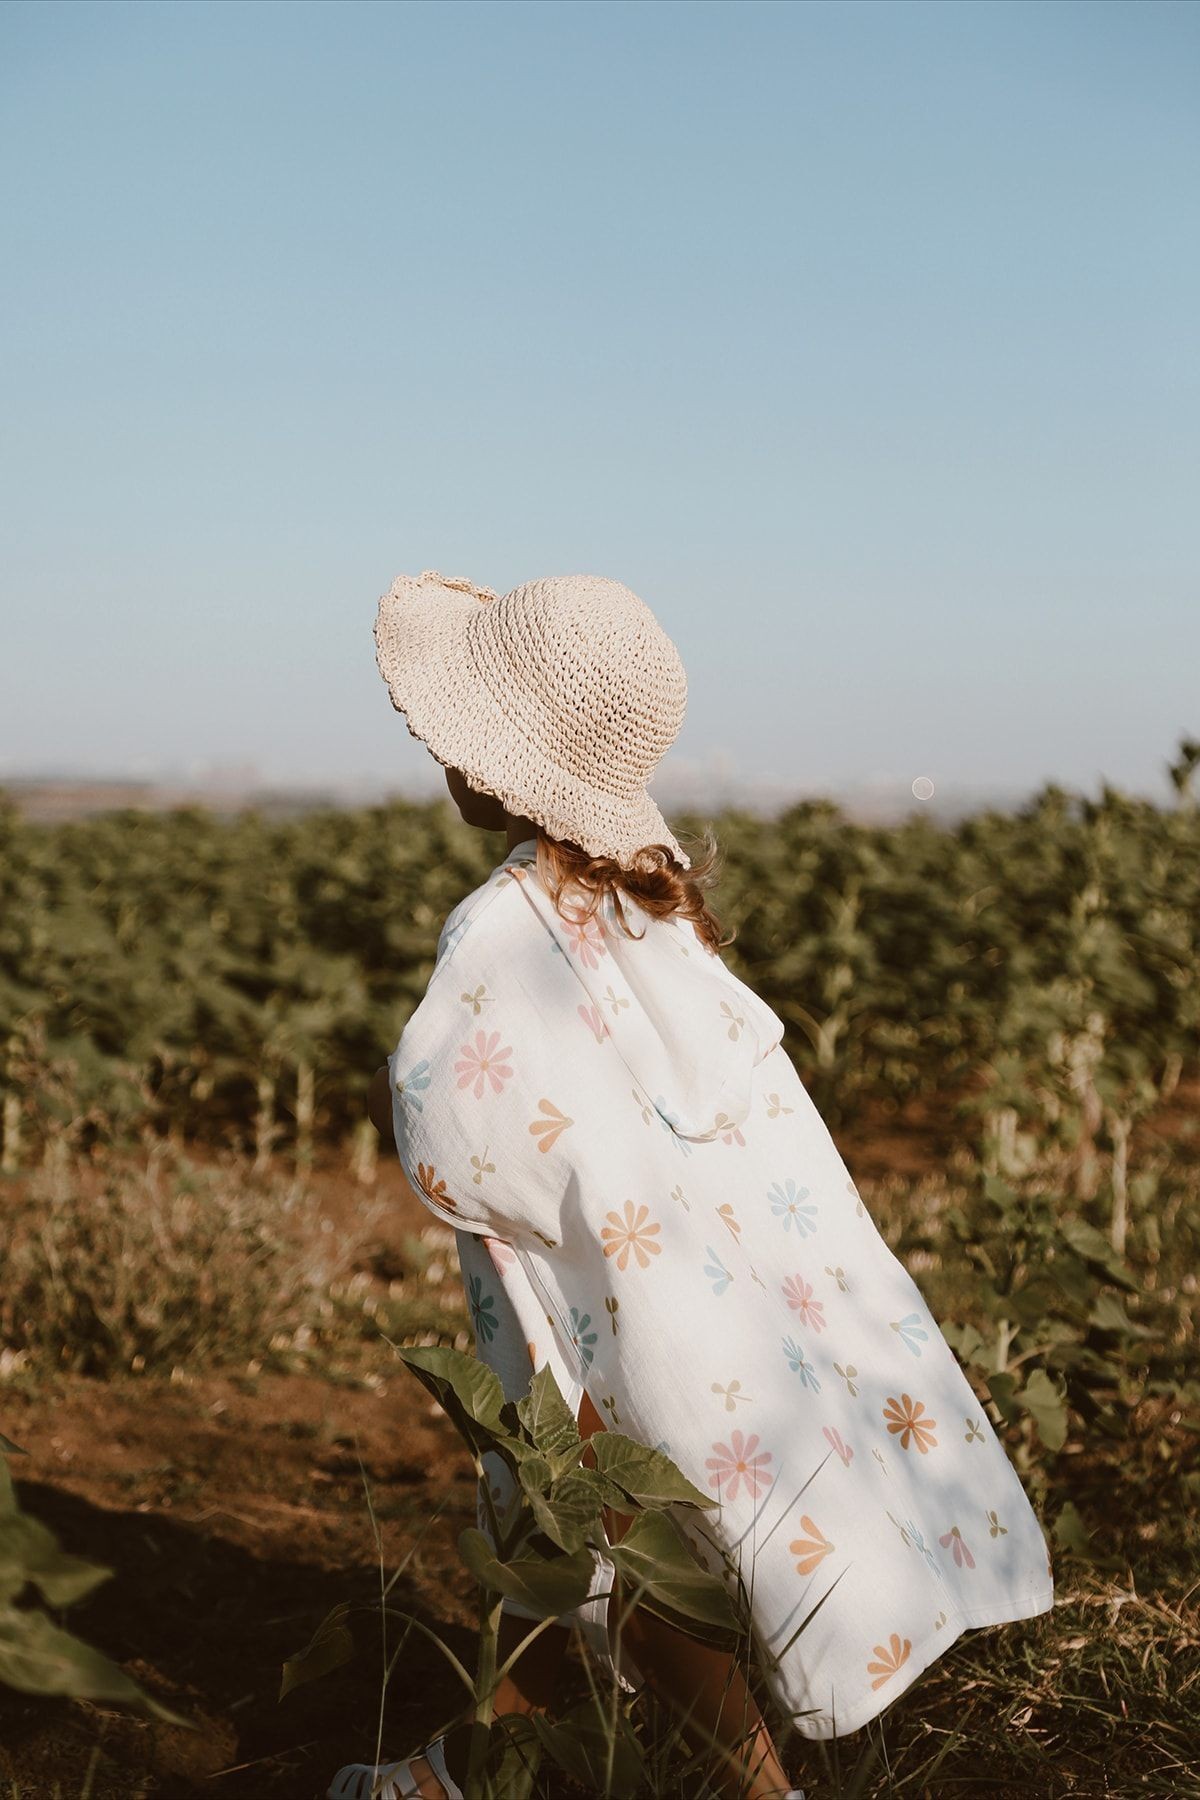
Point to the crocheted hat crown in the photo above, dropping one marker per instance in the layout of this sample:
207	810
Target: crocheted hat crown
559	697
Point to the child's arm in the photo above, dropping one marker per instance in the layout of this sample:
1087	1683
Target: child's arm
379	1105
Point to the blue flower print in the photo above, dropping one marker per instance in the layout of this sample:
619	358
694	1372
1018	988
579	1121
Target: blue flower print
450	933
716	1271
581	1337
668	1121
800	1365
413	1085
908	1329
483	1310
918	1543
793	1206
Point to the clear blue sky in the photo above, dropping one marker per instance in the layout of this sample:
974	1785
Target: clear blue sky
859	339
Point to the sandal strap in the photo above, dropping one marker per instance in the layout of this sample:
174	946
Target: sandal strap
357	1781
435	1756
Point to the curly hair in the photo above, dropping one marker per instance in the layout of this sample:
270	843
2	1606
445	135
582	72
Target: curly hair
662	888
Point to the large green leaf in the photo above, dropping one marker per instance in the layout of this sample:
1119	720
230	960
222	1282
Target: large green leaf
548	1586
657	1563
570	1513
1048	1404
549	1421
645	1475
966	1340
602	1755
1108	1314
29	1551
514	1757
534	1473
331	1646
39	1657
468	1391
1002	1386
1095	1248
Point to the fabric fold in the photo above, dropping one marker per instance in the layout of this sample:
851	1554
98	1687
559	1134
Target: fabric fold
649	994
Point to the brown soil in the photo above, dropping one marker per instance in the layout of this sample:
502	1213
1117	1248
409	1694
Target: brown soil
233	1512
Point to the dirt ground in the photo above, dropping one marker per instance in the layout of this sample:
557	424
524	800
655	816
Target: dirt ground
233	1512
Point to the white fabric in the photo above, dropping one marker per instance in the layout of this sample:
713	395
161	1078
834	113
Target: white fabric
514	1336
623	1116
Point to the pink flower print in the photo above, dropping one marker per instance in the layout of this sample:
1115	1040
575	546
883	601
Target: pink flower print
954	1537
799	1295
503	1255
836	1442
586	941
737	1462
730	1133
595	1024
484	1061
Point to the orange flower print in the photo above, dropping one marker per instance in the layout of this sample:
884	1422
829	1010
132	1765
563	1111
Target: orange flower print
892	1656
547	1131
484	1061
810	1550
799	1295
904	1416
954	1537
738	1463
595	1024
631	1234
726	1214
433	1186
586	941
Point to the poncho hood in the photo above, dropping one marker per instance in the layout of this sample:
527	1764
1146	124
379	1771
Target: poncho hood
646	992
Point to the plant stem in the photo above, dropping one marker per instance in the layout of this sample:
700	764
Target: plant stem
490	1607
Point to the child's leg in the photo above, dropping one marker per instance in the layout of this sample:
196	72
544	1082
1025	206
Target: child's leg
704	1686
513	1336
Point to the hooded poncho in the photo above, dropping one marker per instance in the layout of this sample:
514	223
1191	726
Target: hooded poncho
619	1120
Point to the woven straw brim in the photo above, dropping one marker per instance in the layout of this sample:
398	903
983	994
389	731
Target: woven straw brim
423	654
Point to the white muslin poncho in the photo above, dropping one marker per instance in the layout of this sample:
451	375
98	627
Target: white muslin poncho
619	1120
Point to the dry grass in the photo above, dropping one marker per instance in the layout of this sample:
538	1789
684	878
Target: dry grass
201	1267
165	1265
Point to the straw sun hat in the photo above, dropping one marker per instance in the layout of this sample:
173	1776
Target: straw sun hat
559	698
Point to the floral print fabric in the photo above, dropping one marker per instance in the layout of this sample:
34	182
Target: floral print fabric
662	1214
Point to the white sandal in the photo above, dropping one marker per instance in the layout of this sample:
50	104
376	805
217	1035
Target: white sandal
392	1781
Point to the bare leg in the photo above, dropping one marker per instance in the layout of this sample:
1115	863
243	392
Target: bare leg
708	1691
530	1686
704	1686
